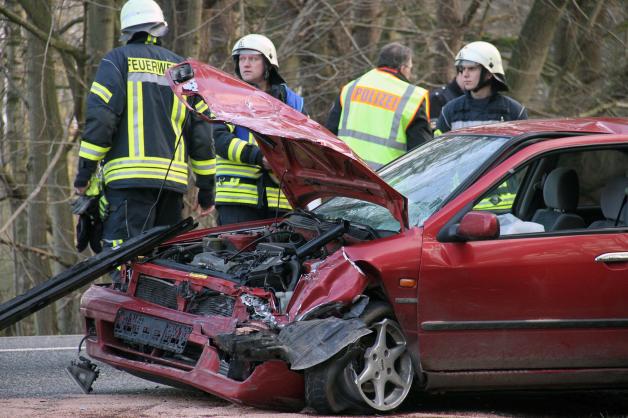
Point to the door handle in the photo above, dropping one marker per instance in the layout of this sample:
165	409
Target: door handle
621	257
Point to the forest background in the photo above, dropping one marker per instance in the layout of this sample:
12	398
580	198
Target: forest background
562	58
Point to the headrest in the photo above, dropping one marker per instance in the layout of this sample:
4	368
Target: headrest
612	197
562	189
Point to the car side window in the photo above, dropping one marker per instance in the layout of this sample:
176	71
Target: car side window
568	191
501	198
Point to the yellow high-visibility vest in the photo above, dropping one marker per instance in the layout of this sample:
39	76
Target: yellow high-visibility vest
376	110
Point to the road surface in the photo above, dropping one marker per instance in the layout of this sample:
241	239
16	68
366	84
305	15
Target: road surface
33	382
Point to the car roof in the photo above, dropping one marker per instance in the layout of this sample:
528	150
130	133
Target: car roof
566	125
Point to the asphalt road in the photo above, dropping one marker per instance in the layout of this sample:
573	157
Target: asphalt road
33	382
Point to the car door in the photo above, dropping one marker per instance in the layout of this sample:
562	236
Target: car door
530	301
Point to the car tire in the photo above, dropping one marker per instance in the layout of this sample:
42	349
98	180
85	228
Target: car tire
331	387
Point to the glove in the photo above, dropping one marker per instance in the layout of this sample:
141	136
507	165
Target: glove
205	198
89	227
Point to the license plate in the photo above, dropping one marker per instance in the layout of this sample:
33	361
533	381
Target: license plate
143	329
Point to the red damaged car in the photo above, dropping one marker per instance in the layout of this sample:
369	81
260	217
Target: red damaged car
494	257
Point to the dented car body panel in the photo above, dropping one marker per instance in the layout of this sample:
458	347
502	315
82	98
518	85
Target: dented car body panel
251	312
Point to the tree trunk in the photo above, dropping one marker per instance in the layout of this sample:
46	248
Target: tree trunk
448	39
368	37
578	55
100	33
191	33
530	52
15	136
38	150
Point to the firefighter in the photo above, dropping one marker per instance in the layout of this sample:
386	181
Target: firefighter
246	188
480	66
141	134
443	95
380	115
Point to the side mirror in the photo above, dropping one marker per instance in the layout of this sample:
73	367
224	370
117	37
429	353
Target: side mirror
474	226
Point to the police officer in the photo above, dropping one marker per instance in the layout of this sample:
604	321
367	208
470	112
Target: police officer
380	115
141	133
246	188
480	66
444	94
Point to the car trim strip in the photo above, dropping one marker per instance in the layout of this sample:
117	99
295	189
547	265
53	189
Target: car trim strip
406	300
524	324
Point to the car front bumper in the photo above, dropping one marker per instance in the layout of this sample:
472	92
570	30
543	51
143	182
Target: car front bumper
271	384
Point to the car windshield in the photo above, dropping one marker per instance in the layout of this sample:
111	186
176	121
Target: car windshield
425	176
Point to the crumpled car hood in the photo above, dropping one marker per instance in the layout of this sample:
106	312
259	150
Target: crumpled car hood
309	161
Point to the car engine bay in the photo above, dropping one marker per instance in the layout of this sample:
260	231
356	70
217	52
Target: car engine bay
272	257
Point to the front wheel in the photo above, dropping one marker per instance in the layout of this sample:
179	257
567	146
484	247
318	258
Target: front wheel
376	373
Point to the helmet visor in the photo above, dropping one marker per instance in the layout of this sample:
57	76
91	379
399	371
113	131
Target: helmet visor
245	51
470	65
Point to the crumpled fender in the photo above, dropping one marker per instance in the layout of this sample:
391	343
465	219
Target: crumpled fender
336	280
302	344
312	342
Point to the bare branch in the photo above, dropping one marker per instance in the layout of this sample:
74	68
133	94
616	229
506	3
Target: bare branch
470	13
36	251
69	25
55	42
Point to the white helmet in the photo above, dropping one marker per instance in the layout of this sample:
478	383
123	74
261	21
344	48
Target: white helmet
487	56
142	16
258	43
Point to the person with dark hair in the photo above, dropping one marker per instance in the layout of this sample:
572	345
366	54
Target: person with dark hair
444	94
246	188
380	115
142	134
480	66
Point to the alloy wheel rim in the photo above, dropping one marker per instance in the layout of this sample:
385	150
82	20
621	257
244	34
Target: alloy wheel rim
384	377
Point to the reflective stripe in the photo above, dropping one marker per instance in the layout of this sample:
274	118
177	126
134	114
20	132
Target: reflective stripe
156	162
399	112
205	167
92	152
236	187
140	120
227	168
237	199
201	107
133	173
374	139
177	117
346	106
373	165
271	196
469	123
235	192
148	78
133	119
236	146
101	91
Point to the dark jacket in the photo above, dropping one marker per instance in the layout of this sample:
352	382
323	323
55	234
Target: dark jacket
440	97
418	131
134	122
466	111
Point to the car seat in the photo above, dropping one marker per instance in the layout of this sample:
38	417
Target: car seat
611	200
561	192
